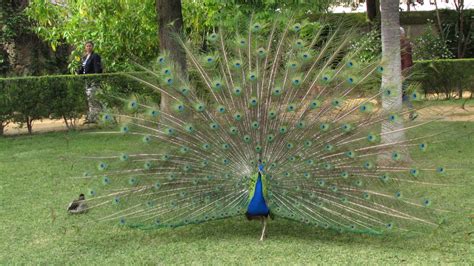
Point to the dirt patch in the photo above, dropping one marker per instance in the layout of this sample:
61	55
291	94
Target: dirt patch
42	126
443	112
448	113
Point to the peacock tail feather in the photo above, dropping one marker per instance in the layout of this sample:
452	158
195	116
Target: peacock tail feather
292	95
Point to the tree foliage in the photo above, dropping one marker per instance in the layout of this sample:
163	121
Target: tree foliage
12	25
429	46
203	16
22	52
121	30
127	29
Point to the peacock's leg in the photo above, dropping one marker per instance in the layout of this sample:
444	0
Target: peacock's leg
264	221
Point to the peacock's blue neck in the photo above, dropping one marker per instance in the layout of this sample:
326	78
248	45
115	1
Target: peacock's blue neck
257	205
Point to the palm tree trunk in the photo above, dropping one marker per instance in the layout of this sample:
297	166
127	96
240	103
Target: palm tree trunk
391	78
170	24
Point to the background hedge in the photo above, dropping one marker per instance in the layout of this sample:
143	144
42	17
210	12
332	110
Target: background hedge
26	99
446	78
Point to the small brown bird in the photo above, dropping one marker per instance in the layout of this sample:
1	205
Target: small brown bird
78	206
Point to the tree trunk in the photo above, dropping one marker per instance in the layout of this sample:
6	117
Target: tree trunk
29	125
66	122
19	4
170	24
391	78
438	18
459	5
371	9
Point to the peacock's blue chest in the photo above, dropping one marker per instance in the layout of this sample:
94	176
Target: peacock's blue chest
257	205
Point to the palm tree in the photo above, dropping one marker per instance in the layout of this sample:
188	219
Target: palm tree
170	22
391	78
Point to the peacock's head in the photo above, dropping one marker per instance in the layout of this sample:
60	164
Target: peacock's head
260	165
82	197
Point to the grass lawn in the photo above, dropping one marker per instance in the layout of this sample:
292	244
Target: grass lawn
36	184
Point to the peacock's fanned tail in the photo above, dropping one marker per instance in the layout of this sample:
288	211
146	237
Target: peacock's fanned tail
294	96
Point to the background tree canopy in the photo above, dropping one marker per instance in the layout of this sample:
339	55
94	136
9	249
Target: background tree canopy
125	30
120	30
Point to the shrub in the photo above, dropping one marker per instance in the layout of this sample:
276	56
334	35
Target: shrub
29	102
27	99
430	46
70	100
6	108
370	44
448	76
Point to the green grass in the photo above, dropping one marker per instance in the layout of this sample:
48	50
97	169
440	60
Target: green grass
36	183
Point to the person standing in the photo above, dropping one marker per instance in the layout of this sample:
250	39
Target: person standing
91	64
407	63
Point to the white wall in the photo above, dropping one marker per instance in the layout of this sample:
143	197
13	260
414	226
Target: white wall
468	4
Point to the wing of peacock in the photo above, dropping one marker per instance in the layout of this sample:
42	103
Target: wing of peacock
293	95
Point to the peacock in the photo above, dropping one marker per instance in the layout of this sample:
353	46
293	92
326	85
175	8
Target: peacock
279	120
